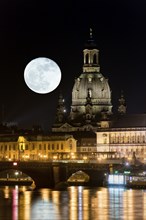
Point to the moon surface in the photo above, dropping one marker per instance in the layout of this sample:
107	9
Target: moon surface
42	75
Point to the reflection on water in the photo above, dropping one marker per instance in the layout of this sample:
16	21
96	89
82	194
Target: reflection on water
77	203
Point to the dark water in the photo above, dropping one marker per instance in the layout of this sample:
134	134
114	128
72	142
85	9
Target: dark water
77	203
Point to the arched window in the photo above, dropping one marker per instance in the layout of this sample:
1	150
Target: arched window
87	58
94	59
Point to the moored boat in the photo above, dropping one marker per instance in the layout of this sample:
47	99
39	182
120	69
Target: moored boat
127	181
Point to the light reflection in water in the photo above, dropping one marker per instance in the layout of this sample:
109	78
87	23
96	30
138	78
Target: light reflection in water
15	203
6	192
77	203
73	201
101	204
27	205
144	205
115	202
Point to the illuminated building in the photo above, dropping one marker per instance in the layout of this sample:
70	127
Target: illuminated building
90	127
118	135
13	147
126	137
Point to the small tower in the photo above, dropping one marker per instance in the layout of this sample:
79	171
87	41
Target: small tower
61	110
91	56
104	122
122	105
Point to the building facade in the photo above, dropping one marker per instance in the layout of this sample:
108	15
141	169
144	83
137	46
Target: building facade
126	138
118	135
24	148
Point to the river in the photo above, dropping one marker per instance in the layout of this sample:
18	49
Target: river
76	203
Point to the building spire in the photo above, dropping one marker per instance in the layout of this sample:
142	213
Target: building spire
122	104
91	55
61	110
91	34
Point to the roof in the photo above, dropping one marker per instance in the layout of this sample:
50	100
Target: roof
8	138
130	121
49	137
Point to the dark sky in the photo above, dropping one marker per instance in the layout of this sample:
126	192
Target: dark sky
58	30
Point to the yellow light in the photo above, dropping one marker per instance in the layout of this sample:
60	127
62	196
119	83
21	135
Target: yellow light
85	158
73	156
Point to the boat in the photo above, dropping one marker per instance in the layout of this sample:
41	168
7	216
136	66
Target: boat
136	182
127	181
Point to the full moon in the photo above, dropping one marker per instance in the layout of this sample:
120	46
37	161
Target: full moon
42	75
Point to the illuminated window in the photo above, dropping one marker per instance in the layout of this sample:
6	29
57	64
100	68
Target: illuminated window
48	146
116	179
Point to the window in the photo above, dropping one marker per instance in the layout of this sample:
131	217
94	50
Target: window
44	146
94	59
61	146
90	79
90	93
105	141
48	146
40	146
87	57
32	146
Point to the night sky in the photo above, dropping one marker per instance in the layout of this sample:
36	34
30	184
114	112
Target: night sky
58	30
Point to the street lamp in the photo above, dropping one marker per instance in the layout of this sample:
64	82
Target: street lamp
16	174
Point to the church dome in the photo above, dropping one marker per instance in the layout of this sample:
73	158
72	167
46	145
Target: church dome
94	83
91	91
